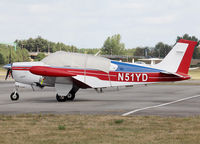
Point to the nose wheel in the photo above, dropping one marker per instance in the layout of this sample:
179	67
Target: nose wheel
14	96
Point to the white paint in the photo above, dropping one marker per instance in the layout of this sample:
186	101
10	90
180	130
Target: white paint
63	85
160	105
127	77
144	77
95	82
117	83
173	59
63	89
138	76
132	76
120	77
24	76
113	67
25	64
22	85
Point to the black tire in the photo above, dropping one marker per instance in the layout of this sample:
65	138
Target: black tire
14	96
61	98
70	96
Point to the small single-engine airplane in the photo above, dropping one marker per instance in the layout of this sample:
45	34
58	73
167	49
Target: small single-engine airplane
68	72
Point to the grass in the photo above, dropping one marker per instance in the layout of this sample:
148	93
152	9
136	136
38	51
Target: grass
94	129
61	127
195	74
1	68
2	72
119	121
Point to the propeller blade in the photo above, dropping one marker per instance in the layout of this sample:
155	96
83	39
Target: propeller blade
11	70
8	71
11	73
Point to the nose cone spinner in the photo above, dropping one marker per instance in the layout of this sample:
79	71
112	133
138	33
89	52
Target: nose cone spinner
7	66
9	70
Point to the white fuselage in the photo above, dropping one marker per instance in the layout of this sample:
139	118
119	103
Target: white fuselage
22	75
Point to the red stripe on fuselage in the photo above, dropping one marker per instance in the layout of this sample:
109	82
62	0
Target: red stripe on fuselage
21	68
119	76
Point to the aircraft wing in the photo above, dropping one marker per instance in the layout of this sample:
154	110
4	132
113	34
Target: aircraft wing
50	71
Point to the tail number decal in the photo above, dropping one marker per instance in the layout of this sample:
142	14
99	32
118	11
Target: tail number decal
132	77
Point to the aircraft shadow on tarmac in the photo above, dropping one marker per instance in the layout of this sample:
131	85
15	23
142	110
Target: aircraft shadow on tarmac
52	100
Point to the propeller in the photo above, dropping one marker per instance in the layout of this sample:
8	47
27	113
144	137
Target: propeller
9	70
9	66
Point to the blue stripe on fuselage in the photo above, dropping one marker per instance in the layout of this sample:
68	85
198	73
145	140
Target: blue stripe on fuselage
125	67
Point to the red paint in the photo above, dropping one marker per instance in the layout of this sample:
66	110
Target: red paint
49	71
185	63
21	68
112	76
152	77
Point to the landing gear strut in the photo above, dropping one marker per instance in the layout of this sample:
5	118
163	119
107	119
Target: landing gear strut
69	97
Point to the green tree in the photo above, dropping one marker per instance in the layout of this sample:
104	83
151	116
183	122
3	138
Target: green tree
8	53
42	45
40	56
196	53
139	51
161	50
113	46
22	55
130	52
142	51
1	59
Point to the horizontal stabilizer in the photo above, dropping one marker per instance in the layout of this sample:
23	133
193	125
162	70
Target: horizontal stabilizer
50	71
176	74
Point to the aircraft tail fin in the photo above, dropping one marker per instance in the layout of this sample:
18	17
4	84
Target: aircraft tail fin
179	58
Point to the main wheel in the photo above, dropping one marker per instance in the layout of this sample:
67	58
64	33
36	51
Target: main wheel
14	96
70	96
61	98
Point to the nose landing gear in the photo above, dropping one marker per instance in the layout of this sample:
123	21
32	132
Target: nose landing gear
14	96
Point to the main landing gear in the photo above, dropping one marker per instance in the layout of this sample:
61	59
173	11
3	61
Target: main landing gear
69	97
